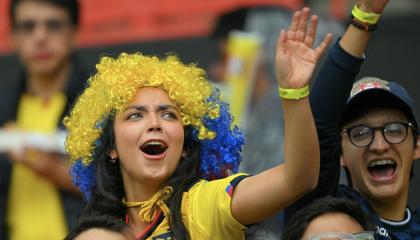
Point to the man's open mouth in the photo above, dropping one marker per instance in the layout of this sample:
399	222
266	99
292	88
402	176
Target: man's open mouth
382	169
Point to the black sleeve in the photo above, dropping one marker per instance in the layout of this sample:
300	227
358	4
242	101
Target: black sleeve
328	98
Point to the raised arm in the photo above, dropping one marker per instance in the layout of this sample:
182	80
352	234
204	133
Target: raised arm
328	98
355	40
264	194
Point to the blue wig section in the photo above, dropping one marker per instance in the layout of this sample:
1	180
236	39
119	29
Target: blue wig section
83	177
221	155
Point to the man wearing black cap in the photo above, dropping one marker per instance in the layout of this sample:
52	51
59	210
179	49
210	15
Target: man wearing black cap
373	133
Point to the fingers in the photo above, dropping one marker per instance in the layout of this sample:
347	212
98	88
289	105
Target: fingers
293	26
281	48
15	156
324	44
311	33
301	27
298	31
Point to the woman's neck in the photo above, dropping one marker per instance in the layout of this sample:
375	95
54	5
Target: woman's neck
134	221
136	191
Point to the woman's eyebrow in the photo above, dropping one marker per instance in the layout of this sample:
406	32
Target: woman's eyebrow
144	108
166	107
141	108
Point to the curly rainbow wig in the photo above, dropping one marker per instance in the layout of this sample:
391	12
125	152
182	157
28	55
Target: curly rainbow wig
116	83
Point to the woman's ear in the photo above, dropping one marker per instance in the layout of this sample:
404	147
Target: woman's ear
113	154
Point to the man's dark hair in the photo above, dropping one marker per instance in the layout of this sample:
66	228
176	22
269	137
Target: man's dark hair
71	6
105	222
301	220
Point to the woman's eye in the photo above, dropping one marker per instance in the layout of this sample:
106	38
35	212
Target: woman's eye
134	116
169	115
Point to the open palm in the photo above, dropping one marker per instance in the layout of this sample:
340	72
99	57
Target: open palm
295	57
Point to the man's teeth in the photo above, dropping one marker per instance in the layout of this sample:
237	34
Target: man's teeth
381	162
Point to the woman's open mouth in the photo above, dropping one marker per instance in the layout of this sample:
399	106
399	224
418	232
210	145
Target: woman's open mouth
154	147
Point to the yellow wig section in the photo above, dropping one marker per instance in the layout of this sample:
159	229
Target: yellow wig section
116	83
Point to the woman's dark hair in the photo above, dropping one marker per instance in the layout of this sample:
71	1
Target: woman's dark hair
98	221
109	190
71	6
301	220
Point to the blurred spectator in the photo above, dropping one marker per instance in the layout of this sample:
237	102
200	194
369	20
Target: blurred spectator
263	84
330	217
263	136
226	23
37	197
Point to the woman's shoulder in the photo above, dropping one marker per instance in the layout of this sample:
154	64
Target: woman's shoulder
228	184
207	203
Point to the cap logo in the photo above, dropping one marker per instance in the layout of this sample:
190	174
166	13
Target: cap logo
368	83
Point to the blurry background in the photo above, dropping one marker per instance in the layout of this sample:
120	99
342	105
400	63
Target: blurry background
186	28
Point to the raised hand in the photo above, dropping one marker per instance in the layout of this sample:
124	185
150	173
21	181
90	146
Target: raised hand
295	57
375	6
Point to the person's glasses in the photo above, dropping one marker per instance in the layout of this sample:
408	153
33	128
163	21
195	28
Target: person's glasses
343	236
363	135
52	26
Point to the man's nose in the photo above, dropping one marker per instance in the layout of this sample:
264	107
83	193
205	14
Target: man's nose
379	143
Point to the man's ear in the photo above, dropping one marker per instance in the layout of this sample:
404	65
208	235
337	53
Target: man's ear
342	162
417	149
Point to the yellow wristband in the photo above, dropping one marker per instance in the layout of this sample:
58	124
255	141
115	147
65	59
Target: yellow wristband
370	18
294	93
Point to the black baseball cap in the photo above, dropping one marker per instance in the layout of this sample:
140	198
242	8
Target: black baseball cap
370	91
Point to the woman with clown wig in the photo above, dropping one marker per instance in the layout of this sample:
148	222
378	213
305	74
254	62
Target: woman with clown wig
151	143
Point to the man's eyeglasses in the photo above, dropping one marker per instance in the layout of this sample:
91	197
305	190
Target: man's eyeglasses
343	236
363	135
51	25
